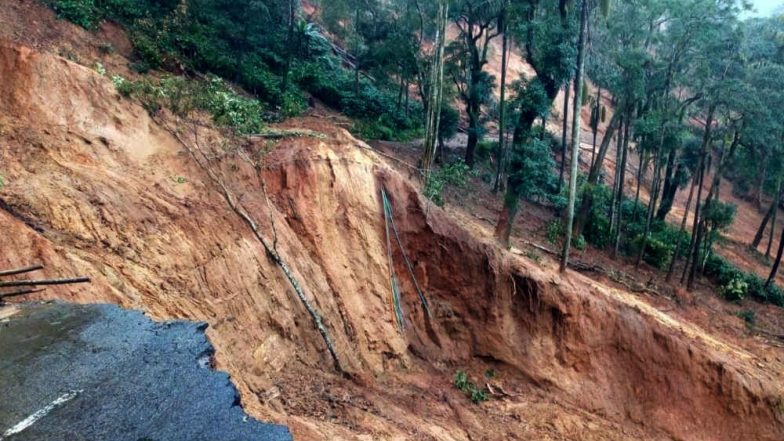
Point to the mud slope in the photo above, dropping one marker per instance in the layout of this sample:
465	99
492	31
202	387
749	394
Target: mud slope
94	186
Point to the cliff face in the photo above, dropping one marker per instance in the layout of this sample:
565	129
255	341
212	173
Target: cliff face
95	186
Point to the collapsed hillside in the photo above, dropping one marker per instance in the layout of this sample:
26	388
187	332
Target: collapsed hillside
96	186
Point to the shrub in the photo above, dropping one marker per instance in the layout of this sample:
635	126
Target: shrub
555	230
485	149
735	289
534	176
454	174
749	317
81	12
293	104
231	110
776	295
756	287
580	243
721	271
597	229
181	96
475	394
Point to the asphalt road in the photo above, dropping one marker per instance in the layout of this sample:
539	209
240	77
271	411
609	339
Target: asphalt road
98	372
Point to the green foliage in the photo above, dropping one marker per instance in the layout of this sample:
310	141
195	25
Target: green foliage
597	229
534	175
464	384
453	174
325	80
485	149
181	96
735	290
81	12
2	181
248	43
736	284
721	271
719	215
662	239
555	231
448	123
580	243
749	317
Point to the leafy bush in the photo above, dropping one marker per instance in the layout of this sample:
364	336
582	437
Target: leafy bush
756	287
721	271
597	229
735	290
454	174
81	12
555	230
534	171
485	149
475	394
181	96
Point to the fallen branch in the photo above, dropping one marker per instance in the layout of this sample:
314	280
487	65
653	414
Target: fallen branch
288	133
20	292
11	283
27	269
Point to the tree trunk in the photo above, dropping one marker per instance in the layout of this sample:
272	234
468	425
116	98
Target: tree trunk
293	6
436	92
575	134
773	221
563	136
622	178
593	177
692	246
761	182
616	178
473	135
400	91
642	165
677	253
502	104
777	262
763	225
651	203
595	124
697	221
503	229
670	188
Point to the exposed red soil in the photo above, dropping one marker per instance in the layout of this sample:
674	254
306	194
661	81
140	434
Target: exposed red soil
97	187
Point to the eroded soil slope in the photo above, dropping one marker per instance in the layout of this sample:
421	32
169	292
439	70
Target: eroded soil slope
96	186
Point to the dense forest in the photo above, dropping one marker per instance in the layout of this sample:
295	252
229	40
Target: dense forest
690	88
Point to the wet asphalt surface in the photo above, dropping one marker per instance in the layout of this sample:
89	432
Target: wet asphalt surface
98	372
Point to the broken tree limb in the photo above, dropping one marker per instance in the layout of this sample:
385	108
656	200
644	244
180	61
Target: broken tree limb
230	199
27	269
11	283
20	292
